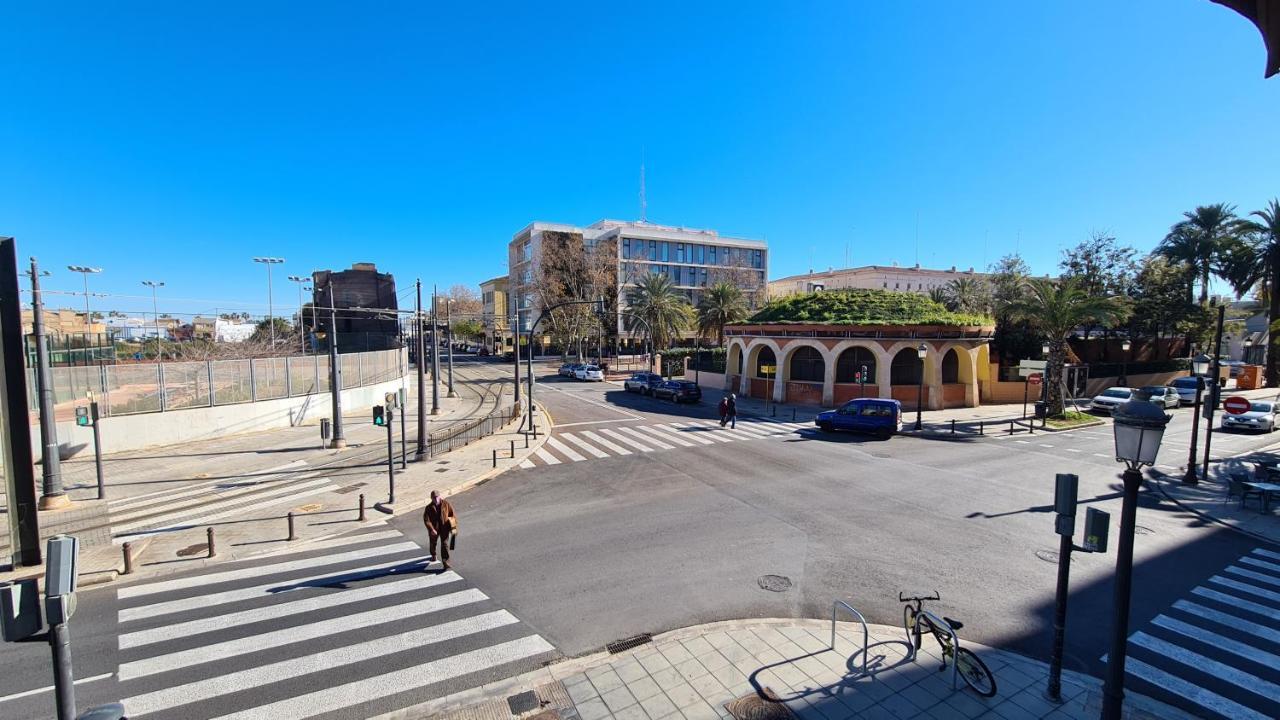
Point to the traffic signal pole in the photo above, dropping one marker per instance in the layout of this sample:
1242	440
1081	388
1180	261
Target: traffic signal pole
391	460
420	348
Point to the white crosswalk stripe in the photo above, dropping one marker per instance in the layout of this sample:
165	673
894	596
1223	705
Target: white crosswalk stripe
584	445
1216	655
694	435
621	440
564	450
327	631
597	439
647	438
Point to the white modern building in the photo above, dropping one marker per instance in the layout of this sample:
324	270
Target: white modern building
878	277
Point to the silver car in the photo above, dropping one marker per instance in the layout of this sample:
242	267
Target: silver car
1261	416
1110	399
1186	387
1163	395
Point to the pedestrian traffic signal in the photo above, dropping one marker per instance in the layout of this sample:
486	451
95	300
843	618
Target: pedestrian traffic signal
82	416
379	415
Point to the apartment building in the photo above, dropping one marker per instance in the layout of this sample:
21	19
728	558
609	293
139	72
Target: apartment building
497	312
879	277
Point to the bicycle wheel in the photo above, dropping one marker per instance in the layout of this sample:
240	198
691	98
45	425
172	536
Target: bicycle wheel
909	622
975	672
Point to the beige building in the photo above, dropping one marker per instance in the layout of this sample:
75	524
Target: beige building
61	322
497	315
870	277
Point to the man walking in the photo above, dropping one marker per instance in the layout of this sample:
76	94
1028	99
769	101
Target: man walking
441	524
732	411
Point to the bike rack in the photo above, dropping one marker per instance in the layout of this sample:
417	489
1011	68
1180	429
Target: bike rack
866	633
939	624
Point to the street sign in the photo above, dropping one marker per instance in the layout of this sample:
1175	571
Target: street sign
1027	367
1035	378
1236	405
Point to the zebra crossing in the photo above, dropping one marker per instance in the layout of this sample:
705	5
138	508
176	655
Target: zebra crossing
620	440
1218	650
138	516
360	626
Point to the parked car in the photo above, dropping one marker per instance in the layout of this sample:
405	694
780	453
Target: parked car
872	415
679	391
1110	399
643	382
589	372
569	369
1163	395
1261	416
1186	387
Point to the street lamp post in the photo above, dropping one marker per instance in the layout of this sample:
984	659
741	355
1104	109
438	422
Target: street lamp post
52	494
1124	364
1199	367
420	351
269	261
155	310
448	336
86	271
435	353
922	351
1044	380
1139	427
302	337
339	441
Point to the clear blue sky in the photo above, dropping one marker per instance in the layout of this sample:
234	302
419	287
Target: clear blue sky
172	142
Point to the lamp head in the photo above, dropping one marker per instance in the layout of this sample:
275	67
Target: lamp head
1139	427
1044	348
1125	345
1200	364
922	351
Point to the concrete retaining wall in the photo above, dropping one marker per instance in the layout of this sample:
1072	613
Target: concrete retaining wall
132	432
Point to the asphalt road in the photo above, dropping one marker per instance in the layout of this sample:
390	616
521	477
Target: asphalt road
597	549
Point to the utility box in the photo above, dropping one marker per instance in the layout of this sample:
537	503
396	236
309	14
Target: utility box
20	608
1042	410
1250	377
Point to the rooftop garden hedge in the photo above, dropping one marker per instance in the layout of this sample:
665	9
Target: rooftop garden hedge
863	307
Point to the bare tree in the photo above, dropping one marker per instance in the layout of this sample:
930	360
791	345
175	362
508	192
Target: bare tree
572	269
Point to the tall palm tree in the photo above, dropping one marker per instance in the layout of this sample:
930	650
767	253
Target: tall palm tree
940	296
1200	242
1256	261
722	304
968	295
1056	309
664	312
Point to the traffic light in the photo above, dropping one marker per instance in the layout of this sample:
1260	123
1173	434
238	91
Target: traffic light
82	416
379	415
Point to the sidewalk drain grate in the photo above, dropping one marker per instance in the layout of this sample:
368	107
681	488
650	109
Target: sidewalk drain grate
442	469
625	644
193	550
774	583
349	488
523	702
755	707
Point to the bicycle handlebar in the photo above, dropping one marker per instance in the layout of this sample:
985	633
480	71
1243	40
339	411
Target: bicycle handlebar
935	596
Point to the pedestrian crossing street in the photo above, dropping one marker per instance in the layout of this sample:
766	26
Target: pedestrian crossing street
194	505
618	440
1217	650
359	626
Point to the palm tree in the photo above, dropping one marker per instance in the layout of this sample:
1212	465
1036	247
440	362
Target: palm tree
940	296
722	304
1200	242
1256	260
664	312
1056	309
968	295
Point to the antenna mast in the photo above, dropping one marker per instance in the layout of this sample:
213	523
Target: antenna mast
644	206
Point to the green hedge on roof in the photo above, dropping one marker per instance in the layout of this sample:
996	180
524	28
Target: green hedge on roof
863	307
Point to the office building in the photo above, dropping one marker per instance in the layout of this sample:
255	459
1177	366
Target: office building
497	320
878	277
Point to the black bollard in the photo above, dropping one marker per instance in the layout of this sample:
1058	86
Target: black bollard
953	426
361	517
127	548
212	550
292	535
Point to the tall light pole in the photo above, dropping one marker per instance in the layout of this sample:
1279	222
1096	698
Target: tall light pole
52	495
1138	426
302	337
1199	368
420	349
1124	366
1215	390
155	308
921	351
335	374
448	334
269	261
435	353
86	271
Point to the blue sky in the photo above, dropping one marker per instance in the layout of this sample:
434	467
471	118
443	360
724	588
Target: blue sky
175	141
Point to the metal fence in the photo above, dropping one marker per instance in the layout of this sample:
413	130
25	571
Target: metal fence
155	387
457	436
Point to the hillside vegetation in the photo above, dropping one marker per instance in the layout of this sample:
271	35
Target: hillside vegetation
863	307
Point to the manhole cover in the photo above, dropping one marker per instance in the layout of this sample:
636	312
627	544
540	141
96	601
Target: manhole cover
312	507
1142	530
523	703
193	550
754	707
1049	556
775	583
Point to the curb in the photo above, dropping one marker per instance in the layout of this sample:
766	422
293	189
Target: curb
1162	478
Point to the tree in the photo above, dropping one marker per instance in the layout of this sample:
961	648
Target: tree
570	269
1160	303
1014	339
663	312
1255	263
1201	243
968	295
722	304
1056	309
939	295
469	329
1101	267
283	331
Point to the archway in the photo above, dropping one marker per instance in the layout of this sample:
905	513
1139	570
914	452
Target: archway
852	361
905	368
806	365
950	367
766	364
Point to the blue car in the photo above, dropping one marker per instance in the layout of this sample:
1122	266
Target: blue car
870	415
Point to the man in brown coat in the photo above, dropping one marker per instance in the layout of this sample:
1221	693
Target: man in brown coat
441	522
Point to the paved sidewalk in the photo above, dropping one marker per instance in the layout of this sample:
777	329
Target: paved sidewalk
1208	498
694	672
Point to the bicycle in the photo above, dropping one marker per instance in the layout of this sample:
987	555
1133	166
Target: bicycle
969	666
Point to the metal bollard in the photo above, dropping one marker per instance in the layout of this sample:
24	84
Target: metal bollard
127	549
1031	426
212	550
361	517
793	414
513	449
526	441
773	411
953	426
292	534
982	427
495	457
1010	427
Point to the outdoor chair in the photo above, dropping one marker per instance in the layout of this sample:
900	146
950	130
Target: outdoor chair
1236	486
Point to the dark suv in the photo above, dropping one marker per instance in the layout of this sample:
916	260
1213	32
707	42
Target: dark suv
678	391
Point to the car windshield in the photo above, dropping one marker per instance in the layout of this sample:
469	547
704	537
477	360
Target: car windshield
1186	382
590	367
1116	393
1260	407
1153	389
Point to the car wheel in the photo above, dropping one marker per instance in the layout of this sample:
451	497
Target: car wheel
824	426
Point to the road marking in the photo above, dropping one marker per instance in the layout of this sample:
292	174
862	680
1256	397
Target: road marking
1259	563
624	439
239	500
1072	450
1260	577
1101	455
344	696
304	604
301	633
1248	652
564	450
37	691
715	435
757	430
682	435
1044	445
591	422
632	432
546	457
525	464
165	495
274	588
1237	603
592	449
216	578
283	670
1266	554
1023	442
606	406
669	437
595	438
1194	693
1246	587
1231	621
1222	671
